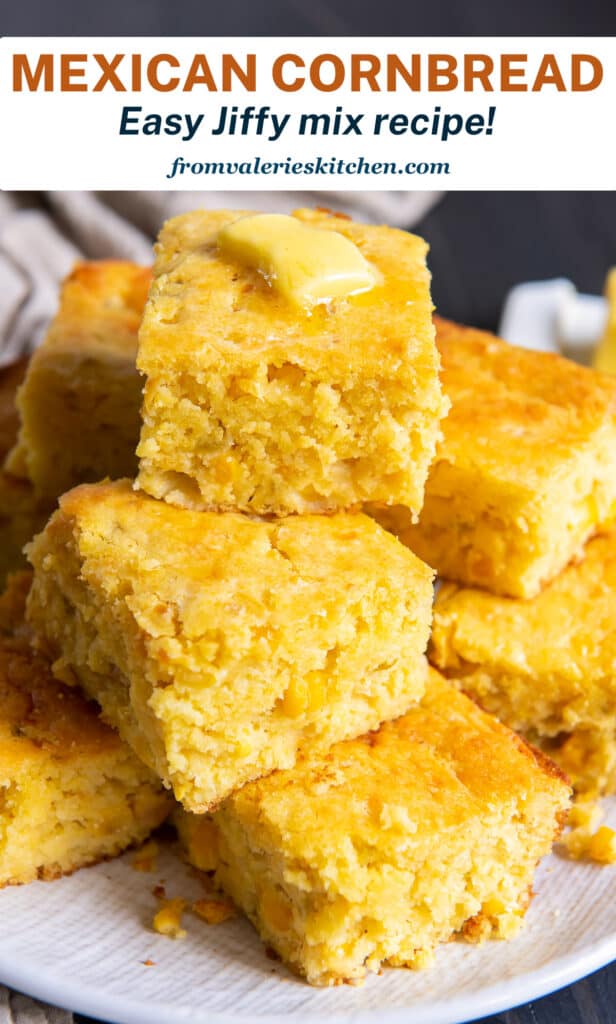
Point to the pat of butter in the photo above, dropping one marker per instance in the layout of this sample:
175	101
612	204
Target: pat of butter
605	356
304	264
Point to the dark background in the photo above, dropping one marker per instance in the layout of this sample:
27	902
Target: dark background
481	242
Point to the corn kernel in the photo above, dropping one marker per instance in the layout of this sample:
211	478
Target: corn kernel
275	910
493	907
306	694
168	920
602	846
295	699
317	694
225	469
203	846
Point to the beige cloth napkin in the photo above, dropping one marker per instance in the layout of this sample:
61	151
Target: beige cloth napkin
42	234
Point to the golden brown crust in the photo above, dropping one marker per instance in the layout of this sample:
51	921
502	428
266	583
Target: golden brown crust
536	408
40	715
108	295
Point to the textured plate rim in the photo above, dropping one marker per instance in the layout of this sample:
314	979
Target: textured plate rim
93	1002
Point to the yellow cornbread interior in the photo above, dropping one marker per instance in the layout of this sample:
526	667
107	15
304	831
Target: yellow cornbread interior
71	793
525	472
305	264
546	666
605	356
79	403
387	845
253	405
220	645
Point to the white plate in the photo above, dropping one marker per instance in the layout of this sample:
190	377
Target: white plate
81	942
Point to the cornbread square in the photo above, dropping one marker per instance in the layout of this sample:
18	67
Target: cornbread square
546	667
220	645
251	404
71	793
79	404
21	515
387	845
526	471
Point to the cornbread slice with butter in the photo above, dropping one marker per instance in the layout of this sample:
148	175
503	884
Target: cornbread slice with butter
387	845
305	264
79	404
546	667
262	397
526	470
71	793
21	514
220	645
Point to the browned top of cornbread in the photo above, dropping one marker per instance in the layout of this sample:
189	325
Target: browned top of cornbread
38	715
209	307
567	632
211	565
10	379
517	412
102	298
444	762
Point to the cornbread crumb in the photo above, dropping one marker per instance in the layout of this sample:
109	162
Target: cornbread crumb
526	471
582	842
220	645
387	845
145	857
168	920
546	666
251	405
215	910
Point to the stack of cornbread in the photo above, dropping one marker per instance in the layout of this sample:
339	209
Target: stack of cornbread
520	516
254	640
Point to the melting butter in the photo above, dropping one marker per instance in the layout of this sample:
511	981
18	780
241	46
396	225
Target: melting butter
306	265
